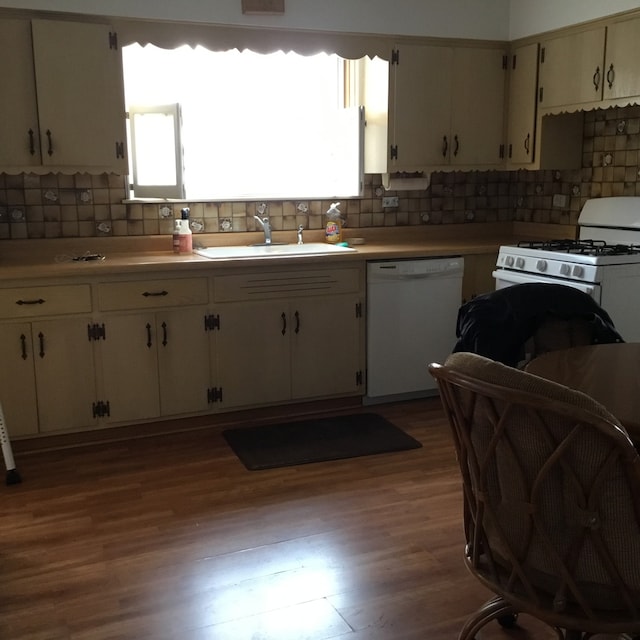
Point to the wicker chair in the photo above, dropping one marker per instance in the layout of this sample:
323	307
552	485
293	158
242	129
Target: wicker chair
551	486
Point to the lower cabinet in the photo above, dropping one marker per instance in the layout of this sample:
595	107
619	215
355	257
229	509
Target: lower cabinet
47	380
282	350
102	353
288	336
154	354
478	278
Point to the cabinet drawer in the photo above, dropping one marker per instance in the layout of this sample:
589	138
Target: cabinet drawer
25	302
260	286
146	294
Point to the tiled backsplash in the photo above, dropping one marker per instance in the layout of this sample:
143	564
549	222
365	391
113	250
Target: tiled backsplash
81	205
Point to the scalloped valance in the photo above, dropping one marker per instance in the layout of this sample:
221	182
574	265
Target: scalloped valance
169	35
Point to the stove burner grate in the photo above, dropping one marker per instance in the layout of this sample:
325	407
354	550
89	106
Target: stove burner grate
583	247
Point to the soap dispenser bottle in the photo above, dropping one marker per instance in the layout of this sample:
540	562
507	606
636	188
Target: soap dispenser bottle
333	228
185	237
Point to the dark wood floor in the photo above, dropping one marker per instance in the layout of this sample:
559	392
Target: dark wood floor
169	537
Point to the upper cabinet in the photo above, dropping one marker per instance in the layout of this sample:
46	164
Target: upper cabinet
62	104
521	123
446	107
572	69
621	73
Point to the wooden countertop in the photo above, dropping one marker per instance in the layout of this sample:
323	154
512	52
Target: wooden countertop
22	260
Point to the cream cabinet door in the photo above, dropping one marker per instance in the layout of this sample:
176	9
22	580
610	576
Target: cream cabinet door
65	374
183	361
521	117
17	379
572	68
420	107
18	108
47	382
477	102
80	90
326	348
129	366
621	77
253	353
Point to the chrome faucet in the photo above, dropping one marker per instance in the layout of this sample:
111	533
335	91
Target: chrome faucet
300	230
266	226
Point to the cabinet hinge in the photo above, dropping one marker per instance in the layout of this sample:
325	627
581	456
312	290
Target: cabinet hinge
505	62
119	150
395	56
214	395
101	409
393	152
359	378
501	151
211	322
113	40
96	331
540	94
542	55
358	309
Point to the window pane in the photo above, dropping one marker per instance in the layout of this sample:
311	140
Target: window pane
253	125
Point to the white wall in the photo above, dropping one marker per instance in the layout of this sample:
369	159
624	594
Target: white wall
487	20
529	17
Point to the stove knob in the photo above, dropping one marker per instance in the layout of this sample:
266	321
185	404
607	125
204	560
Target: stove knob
541	265
565	270
508	261
578	271
519	263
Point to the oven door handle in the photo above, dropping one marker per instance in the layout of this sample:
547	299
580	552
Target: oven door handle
508	278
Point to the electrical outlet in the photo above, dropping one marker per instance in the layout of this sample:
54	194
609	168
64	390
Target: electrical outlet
389	202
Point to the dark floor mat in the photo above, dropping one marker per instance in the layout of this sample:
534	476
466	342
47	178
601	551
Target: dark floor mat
317	440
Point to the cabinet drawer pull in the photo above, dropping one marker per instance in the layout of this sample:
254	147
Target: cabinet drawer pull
284	323
155	294
297	316
596	79
32	144
38	301
611	76
164	334
149	343
23	346
49	143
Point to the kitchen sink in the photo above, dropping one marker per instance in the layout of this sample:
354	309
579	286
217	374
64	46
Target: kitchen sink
272	250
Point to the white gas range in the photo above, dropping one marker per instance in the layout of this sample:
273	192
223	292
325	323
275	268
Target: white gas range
604	262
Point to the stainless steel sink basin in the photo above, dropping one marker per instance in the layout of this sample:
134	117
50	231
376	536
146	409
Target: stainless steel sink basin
272	251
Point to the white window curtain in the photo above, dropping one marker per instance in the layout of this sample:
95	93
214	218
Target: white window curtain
253	125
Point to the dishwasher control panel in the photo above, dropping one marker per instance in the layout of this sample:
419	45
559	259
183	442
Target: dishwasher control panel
414	267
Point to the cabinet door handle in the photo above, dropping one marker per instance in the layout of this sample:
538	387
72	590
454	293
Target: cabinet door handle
611	76
284	323
41	340
23	346
32	143
527	143
164	334
596	78
445	147
456	147
149	343
297	316
49	143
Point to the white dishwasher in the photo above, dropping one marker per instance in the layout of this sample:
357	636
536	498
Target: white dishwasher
412	307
